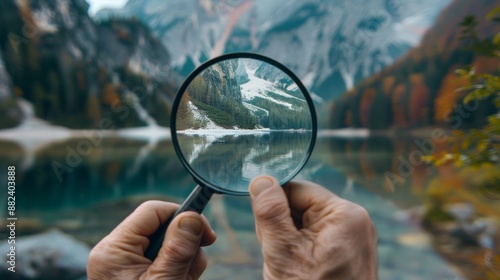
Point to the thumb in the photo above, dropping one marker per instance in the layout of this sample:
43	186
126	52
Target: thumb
180	246
273	221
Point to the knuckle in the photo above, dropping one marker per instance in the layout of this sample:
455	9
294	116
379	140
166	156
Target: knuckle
271	210
178	251
96	255
145	206
361	219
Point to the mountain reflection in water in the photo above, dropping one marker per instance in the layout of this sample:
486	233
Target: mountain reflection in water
119	174
232	161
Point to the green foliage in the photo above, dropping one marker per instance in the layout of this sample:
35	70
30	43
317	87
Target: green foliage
216	115
13	114
220	98
477	146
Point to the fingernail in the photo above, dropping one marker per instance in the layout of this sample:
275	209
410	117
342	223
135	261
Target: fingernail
260	184
191	225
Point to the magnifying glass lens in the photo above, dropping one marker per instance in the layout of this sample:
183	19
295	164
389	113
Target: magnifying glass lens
243	117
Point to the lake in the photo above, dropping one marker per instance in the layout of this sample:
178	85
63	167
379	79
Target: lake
87	196
231	159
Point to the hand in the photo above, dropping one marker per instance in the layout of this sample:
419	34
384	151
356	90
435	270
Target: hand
307	232
120	255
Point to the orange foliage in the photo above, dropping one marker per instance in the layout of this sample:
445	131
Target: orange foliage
484	64
366	105
110	95
398	106
419	99
447	96
388	83
81	80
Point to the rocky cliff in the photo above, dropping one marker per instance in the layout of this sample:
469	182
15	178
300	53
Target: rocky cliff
81	74
329	44
10	114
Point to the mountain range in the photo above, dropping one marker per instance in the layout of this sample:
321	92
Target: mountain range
242	94
330	45
123	66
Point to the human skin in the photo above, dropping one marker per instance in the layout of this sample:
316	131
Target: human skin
307	232
120	255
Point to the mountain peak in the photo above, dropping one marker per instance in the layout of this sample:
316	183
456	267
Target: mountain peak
329	44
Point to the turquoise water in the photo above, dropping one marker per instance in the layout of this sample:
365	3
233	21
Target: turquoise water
88	195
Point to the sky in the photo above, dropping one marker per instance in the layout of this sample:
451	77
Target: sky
96	5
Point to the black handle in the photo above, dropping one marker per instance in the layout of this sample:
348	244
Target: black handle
196	202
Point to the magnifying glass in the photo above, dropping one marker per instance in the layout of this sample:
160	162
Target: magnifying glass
234	118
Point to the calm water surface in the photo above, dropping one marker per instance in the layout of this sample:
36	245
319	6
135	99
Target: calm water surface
98	190
231	161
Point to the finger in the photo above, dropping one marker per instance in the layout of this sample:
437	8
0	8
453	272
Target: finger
179	248
198	265
302	195
147	217
271	210
309	202
145	220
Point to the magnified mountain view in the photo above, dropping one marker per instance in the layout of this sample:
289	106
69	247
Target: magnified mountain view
243	117
243	94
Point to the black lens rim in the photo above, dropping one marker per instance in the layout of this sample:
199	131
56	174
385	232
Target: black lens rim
199	179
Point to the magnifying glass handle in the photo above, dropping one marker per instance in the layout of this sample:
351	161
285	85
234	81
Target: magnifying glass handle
196	202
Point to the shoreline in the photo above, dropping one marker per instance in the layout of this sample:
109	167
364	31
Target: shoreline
50	134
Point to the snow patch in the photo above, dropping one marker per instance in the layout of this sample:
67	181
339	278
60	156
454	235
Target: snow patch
345	133
44	20
133	100
257	87
200	117
255	108
293	86
317	98
224	132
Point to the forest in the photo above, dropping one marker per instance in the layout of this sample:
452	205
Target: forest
217	92
420	88
80	75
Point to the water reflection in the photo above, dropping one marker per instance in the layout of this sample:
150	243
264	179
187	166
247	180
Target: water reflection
232	161
110	182
62	178
382	165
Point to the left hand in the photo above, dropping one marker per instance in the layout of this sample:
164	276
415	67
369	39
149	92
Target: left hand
120	255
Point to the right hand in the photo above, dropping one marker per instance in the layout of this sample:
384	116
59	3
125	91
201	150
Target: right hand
307	232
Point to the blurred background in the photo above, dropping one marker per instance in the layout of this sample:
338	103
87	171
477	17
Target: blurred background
406	94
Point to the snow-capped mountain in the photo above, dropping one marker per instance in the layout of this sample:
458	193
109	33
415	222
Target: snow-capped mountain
329	44
262	88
